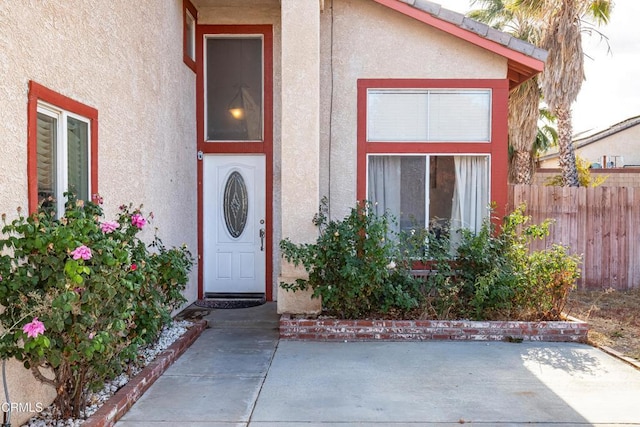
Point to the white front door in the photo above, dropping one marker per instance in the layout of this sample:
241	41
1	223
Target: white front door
234	224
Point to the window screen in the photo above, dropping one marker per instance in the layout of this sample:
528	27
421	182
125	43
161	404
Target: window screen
234	88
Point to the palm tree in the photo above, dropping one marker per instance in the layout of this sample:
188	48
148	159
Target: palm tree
547	133
546	137
523	129
564	71
524	99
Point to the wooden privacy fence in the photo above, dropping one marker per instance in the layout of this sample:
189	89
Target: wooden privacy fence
602	224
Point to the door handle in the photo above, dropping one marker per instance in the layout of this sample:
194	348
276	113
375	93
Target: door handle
263	233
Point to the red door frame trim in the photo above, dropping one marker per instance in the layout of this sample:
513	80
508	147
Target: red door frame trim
497	148
253	147
37	92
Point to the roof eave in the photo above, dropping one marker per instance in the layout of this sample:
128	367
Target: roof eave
521	67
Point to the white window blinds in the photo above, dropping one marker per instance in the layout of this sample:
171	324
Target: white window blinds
46	154
414	115
397	116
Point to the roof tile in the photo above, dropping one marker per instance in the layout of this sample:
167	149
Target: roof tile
447	15
521	46
475	26
498	36
479	28
427	6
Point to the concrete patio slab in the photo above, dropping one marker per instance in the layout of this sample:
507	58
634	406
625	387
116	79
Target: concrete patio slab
246	352
178	399
239	374
447	382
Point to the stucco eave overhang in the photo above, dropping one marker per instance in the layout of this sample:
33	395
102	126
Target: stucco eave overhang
524	59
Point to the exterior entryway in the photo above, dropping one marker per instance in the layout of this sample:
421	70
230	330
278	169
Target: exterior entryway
235	175
234	224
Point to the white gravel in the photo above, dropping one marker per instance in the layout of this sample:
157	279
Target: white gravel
146	355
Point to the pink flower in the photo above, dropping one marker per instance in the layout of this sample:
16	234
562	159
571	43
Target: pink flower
91	335
138	220
34	328
109	226
81	252
134	267
97	199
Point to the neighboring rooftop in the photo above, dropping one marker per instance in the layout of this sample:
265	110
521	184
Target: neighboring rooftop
586	138
589	137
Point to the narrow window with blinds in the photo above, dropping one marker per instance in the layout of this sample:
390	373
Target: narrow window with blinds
63	156
47	133
189	22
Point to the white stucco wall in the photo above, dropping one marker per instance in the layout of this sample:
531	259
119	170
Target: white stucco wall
123	58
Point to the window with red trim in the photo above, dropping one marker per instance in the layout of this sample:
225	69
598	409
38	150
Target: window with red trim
189	21
425	151
62	148
434	191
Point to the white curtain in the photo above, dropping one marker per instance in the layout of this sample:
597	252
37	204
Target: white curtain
470	195
384	186
252	116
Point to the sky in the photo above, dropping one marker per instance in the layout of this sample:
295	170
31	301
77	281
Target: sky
611	91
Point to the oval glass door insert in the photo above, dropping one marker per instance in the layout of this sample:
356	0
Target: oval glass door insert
236	204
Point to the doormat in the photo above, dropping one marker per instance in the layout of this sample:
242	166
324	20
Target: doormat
229	302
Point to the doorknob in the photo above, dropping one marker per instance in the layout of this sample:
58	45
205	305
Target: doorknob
263	233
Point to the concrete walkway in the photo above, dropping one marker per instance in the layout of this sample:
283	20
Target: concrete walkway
238	374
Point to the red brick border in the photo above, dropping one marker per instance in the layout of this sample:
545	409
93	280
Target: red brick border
291	328
114	408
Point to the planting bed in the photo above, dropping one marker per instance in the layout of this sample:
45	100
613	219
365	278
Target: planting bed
327	329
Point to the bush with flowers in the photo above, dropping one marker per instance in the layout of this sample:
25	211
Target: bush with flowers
106	292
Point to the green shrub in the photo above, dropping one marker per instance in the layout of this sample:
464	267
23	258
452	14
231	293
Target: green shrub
107	294
551	274
497	277
488	275
354	266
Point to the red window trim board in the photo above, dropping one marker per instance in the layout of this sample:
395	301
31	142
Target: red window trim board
37	92
188	6
237	147
497	148
266	31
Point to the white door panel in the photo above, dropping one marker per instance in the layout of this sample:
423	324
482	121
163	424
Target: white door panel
234	223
